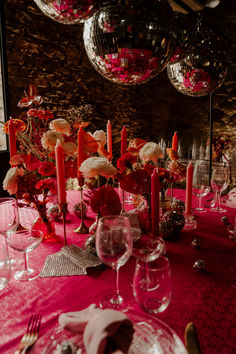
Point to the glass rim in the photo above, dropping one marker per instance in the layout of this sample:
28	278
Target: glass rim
110	217
143	264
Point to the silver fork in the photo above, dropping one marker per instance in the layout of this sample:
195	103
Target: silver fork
31	334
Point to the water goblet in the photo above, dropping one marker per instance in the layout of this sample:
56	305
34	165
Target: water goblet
201	183
5	266
219	182
148	247
25	241
114	247
152	284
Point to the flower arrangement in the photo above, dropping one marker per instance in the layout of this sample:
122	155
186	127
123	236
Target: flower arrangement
221	147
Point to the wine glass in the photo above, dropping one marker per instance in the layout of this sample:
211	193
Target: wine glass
200	183
9	219
5	266
152	284
114	247
148	247
25	241
219	182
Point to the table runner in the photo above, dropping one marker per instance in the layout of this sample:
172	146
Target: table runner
207	299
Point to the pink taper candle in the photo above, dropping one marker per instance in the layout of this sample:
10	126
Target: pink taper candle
109	138
189	183
12	137
123	140
61	183
175	142
155	207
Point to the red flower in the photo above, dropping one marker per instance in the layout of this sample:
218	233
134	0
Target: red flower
33	112
33	163
137	182
46	115
40	113
135	145
46	168
48	183
126	160
149	168
106	201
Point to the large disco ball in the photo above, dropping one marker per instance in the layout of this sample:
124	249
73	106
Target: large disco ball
201	72
131	42
183	35
68	11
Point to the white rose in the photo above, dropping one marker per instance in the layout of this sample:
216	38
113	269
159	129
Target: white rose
100	137
49	139
69	148
60	125
9	183
95	166
150	152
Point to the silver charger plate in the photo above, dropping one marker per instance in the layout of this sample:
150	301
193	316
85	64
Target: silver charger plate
151	336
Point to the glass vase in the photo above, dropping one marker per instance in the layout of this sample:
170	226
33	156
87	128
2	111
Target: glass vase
47	226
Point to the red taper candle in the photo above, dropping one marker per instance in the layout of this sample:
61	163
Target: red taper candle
61	183
12	137
189	184
81	156
175	142
155	206
109	138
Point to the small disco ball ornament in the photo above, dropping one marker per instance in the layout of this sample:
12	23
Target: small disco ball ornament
196	243
68	11
200	265
201	72
131	42
90	245
54	212
171	223
178	205
77	209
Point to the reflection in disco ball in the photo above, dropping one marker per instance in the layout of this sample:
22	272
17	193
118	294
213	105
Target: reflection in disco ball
201	72
183	38
131	42
68	11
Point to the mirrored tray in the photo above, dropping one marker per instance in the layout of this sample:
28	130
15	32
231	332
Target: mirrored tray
151	336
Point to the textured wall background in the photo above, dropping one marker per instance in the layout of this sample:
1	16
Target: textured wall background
52	55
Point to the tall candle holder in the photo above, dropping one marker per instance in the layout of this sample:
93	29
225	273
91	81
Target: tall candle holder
82	229
63	210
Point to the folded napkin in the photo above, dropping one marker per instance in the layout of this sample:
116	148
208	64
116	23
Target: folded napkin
104	331
232	196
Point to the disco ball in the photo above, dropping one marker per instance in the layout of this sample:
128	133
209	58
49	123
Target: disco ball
201	72
183	35
131	42
68	11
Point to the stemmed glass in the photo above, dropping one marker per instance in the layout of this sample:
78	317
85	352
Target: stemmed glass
219	182
5	266
201	183
25	241
9	218
114	247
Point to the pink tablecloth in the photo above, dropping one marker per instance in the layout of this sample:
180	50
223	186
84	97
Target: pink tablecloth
206	299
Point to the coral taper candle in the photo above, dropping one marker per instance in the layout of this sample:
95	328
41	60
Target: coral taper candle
81	156
12	137
123	140
109	138
155	207
175	142
61	183
189	183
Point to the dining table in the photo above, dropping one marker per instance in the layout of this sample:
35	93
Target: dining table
206	296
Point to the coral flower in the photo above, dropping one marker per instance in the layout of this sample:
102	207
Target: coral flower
60	125
18	123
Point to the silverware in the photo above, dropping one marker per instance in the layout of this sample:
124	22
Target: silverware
31	334
191	340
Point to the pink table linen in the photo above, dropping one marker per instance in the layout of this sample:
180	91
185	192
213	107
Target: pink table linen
206	299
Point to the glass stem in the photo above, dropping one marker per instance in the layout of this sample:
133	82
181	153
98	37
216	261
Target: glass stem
217	200
117	281
200	202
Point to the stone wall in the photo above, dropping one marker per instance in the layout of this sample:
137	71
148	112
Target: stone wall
51	55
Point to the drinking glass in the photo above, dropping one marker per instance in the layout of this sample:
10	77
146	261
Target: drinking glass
114	247
5	266
219	182
201	183
25	241
152	284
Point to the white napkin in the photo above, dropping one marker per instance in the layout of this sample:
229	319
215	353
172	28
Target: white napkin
104	331
232	196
